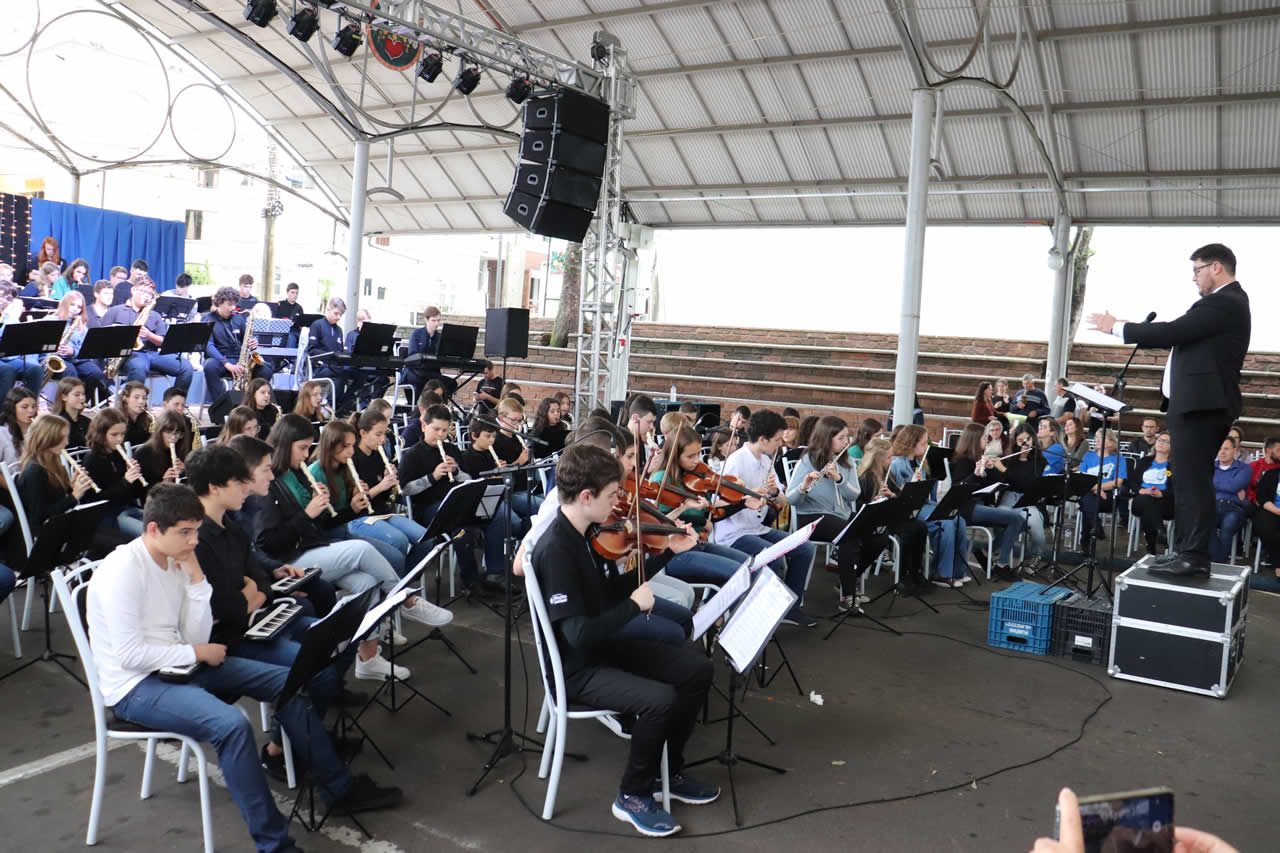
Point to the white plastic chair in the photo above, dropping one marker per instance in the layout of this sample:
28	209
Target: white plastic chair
122	730
976	531
11	482
554	704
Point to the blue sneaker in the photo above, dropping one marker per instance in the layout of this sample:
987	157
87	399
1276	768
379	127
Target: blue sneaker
686	789
645	815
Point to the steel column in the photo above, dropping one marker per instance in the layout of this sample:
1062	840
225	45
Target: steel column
355	236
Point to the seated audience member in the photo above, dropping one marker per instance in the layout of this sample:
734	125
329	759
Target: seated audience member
1237	432
132	403
242	421
1231	490
144	615
589	604
1064	402
1095	415
1075	443
1049	436
1269	459
970	463
1030	402
1153	503
995	441
45	487
1266	520
548	427
115	473
982	409
161	458
951	545
68	404
745	530
1020	472
1145	444
1111	469
257	396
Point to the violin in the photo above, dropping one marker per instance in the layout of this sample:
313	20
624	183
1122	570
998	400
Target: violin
617	538
707	482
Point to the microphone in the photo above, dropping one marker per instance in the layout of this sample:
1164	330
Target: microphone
1117	389
1150	317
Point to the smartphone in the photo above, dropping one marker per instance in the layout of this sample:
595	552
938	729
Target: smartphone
1127	822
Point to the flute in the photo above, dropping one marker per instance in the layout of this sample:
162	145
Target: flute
173	455
77	469
494	454
351	466
128	462
395	490
439	446
311	478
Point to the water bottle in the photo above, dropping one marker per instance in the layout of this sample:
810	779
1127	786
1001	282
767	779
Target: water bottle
672	394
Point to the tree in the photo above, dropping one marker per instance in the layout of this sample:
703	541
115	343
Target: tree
566	323
1080	255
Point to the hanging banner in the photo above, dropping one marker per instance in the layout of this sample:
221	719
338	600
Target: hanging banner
396	52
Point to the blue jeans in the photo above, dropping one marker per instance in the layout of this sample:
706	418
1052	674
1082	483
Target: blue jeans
7	581
128	522
794	566
667	623
354	565
950	546
397	534
215	384
1035	524
89	371
137	366
707	563
1231	517
15	368
192	710
1011	523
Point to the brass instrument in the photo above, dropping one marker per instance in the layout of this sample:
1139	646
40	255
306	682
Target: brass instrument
395	490
351	466
78	470
311	478
128	461
113	364
54	365
439	445
197	438
248	358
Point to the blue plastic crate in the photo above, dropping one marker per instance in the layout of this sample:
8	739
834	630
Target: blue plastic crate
1022	617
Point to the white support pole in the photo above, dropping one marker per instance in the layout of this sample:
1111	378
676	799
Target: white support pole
1056	358
75	188
923	104
355	237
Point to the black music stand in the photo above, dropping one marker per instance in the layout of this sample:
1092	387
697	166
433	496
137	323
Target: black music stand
1077	486
871	519
40	337
304	321
319	645
108	342
204	304
182	338
1048	490
175	308
61	540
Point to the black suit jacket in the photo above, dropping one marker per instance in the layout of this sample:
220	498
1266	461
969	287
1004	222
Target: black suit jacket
1210	342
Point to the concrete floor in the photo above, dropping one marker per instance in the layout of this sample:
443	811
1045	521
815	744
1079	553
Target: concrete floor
902	717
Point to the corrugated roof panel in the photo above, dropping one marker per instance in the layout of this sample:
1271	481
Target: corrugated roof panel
889	78
880	207
1097	68
727	96
808	25
807	154
1108	141
649	213
861	151
646	117
693	37
463	217
738	36
1249	134
731	211
1172	9
660	160
837	208
708	159
947	207
492	215
675	102
435	177
794	95
687	212
780	210
551	9
946	19
987	205
1026	151
837	88
867	22
757	157
762	28
976	146
638	34
1117	204
1257	203
1088	14
1191	203
766	91
1177	63
1251	62
1183	141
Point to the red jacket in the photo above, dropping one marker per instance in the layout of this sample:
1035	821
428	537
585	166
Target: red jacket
1259	467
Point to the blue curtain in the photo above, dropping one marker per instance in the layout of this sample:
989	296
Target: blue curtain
108	238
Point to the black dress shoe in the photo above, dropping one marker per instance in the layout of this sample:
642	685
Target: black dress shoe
1164	559
1184	567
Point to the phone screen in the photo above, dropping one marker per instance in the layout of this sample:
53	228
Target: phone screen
1129	822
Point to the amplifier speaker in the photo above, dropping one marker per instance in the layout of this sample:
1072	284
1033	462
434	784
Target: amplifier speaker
569	111
506	332
563	186
564	149
548	218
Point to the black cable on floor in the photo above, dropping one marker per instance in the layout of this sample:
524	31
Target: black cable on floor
942	789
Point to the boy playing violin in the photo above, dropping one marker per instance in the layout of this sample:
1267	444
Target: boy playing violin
590	603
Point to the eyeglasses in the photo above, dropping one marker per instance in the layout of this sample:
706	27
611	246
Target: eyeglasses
1195	271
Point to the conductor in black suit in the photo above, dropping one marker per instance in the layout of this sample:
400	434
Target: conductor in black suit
1201	389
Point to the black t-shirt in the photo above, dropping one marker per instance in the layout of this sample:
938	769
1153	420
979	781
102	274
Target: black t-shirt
370	468
492	387
554	436
476	462
79	434
416	467
1265	488
509	449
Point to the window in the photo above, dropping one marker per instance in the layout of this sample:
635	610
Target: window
207	178
368	287
416	319
195	224
382	293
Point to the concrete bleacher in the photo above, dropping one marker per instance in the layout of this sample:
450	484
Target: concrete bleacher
851	373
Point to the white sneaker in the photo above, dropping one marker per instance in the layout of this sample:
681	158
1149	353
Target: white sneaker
427	613
377	668
964	579
392	637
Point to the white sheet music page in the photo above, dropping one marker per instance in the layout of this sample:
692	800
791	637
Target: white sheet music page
755	619
416	572
712	610
786	546
375	614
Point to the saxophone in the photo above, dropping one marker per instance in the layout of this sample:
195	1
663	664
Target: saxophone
113	364
54	365
248	358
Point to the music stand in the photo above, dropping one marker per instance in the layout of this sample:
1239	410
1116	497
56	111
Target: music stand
872	519
374	339
304	321
1078	485
182	338
86	292
40	337
204	304
61	540
174	308
108	342
1045	491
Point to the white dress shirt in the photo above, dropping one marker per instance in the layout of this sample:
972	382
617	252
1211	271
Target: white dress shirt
143	617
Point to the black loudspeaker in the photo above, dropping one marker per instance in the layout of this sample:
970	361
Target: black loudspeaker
548	218
506	332
563	186
568	111
564	149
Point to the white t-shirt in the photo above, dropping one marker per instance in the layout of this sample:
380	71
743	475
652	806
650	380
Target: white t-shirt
753	472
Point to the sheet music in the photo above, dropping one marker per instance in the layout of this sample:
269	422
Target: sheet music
376	614
852	519
413	574
712	610
1097	398
786	546
987	490
337	608
755	619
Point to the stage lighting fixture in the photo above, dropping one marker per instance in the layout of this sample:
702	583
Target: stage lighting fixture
430	66
304	24
347	41
467	80
260	12
518	89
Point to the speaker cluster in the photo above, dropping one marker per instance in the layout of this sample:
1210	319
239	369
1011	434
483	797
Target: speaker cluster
562	159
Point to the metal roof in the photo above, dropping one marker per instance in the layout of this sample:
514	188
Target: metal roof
797	112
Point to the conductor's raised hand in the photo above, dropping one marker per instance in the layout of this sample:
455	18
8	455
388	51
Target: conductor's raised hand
1103	322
